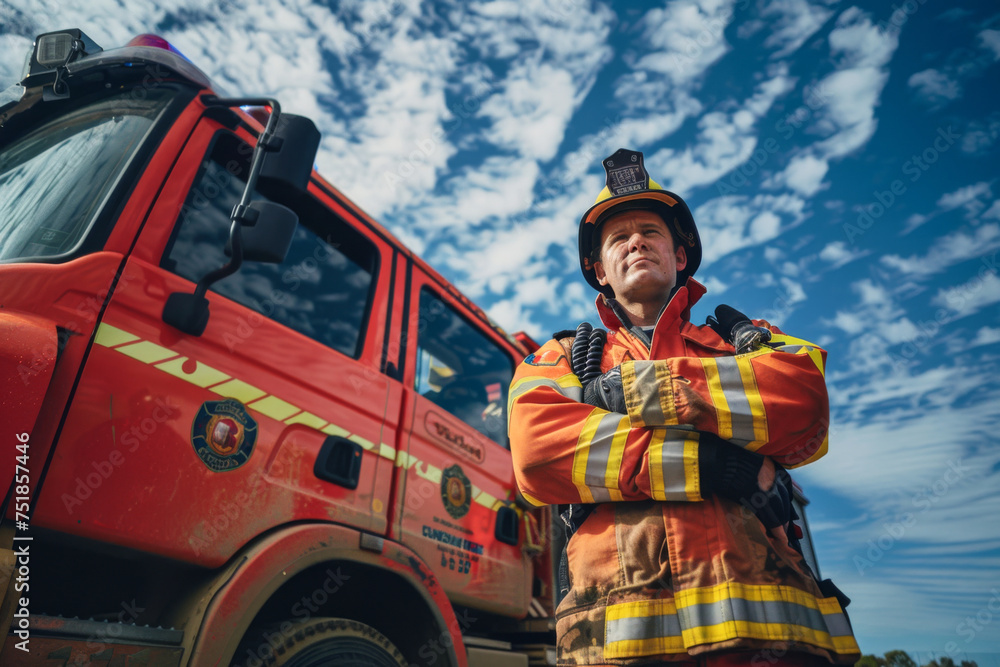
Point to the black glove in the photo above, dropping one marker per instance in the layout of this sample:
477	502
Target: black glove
731	472
727	470
776	509
606	392
736	328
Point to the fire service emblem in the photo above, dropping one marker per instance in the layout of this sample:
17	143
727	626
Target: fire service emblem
456	491
223	434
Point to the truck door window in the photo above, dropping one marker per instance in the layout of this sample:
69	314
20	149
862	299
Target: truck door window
323	289
461	370
57	177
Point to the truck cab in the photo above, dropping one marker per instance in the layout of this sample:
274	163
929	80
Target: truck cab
255	427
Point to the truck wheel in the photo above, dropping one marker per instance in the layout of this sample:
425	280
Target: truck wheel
339	642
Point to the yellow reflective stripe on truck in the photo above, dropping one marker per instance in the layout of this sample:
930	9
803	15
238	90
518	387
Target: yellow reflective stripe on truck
206	377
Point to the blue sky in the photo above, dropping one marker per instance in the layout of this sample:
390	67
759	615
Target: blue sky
840	159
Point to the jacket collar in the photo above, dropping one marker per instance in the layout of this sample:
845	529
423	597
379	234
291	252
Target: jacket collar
677	309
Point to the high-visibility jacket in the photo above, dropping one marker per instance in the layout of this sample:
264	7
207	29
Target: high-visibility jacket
657	571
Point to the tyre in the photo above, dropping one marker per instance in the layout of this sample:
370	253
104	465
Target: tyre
338	642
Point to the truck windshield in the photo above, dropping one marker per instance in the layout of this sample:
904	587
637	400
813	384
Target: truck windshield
56	178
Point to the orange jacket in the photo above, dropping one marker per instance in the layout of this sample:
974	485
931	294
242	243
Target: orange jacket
670	574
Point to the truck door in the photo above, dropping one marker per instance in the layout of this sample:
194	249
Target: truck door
191	446
456	482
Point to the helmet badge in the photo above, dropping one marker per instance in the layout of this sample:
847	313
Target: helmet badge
625	172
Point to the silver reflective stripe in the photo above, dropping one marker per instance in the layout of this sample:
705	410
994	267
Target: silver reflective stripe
648	390
598	455
642	628
837	625
739	405
572	393
673	466
738	609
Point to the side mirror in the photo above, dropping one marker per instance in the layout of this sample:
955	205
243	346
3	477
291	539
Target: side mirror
259	231
291	153
267	232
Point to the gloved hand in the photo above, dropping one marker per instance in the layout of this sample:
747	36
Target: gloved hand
606	392
736	328
776	509
733	472
727	470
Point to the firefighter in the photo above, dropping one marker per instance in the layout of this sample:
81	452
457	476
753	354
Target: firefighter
668	454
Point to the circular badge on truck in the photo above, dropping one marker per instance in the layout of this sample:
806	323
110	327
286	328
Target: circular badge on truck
456	491
223	434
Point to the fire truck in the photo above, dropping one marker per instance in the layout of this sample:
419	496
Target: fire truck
244	424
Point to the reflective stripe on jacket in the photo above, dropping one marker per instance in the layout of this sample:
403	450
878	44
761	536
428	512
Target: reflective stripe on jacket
658	571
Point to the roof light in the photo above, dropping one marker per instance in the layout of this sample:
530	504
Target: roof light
155	41
56	49
53	49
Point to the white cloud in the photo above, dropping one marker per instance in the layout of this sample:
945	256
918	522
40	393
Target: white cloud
725	140
971	296
850	322
728	224
986	336
948	250
14	48
914	221
968	197
981	135
990	40
532	110
686	38
993	212
804	174
934	87
872	294
852	92
793	21
838	254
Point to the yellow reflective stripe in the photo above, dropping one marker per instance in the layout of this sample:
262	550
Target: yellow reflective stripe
567	385
673	466
756	403
582	452
718	398
724	591
274	407
773	612
146	352
109	336
206	377
692	473
649	393
307	419
642	627
238	389
818	454
799	346
615	460
738	405
656	463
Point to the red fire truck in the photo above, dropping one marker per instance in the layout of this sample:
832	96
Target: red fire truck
245	424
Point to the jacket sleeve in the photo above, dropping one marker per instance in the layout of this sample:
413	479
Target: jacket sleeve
772	401
565	451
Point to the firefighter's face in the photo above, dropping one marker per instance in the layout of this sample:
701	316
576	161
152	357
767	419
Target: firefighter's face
638	259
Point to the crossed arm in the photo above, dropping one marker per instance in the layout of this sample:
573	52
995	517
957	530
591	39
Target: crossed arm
772	401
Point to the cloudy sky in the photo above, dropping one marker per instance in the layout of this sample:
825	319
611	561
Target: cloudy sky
841	162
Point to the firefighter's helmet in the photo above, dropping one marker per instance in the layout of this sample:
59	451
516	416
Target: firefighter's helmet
630	188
